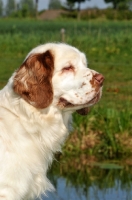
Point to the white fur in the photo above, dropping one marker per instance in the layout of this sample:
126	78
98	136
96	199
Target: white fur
29	136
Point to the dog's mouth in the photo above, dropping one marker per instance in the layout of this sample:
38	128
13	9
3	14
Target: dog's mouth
86	107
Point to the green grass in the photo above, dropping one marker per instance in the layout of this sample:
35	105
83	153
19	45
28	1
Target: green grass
108	47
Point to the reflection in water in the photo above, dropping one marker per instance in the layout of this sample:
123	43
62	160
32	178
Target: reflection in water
68	192
101	182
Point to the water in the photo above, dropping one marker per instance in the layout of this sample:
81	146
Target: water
96	183
69	192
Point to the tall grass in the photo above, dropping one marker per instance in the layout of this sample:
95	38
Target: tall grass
103	132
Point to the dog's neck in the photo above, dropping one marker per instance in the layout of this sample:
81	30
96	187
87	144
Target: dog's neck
52	117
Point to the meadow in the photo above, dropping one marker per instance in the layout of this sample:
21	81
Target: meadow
107	131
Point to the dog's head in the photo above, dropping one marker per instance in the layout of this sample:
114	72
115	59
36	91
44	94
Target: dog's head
57	74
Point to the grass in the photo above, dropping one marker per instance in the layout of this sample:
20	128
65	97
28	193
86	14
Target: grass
107	130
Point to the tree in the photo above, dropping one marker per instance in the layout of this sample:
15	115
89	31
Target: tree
27	7
10	7
54	4
28	3
79	5
69	5
76	1
1	8
36	8
118	3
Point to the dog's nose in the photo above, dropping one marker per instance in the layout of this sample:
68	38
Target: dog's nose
99	79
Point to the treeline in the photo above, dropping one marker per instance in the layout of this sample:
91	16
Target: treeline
96	13
23	8
121	9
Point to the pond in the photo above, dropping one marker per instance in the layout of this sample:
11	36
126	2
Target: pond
101	181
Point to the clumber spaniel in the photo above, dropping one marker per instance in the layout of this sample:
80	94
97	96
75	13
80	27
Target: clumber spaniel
35	113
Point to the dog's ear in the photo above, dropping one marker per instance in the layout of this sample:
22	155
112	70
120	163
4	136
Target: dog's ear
33	80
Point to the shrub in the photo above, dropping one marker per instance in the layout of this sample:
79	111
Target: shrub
110	14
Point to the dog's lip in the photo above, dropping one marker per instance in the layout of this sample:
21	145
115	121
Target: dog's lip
67	104
83	111
95	99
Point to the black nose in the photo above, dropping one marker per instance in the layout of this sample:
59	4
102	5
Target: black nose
99	79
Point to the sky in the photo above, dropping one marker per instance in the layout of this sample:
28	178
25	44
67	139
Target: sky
43	4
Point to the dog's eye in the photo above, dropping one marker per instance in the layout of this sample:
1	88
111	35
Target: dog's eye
68	69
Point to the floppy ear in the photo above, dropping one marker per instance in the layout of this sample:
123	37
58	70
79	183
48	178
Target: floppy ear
33	80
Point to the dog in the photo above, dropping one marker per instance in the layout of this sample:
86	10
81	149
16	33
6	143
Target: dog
36	109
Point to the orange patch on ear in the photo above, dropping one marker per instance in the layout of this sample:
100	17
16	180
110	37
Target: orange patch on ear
33	80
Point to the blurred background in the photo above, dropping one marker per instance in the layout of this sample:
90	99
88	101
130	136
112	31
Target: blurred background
97	157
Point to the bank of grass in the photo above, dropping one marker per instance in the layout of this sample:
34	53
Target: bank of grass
107	130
